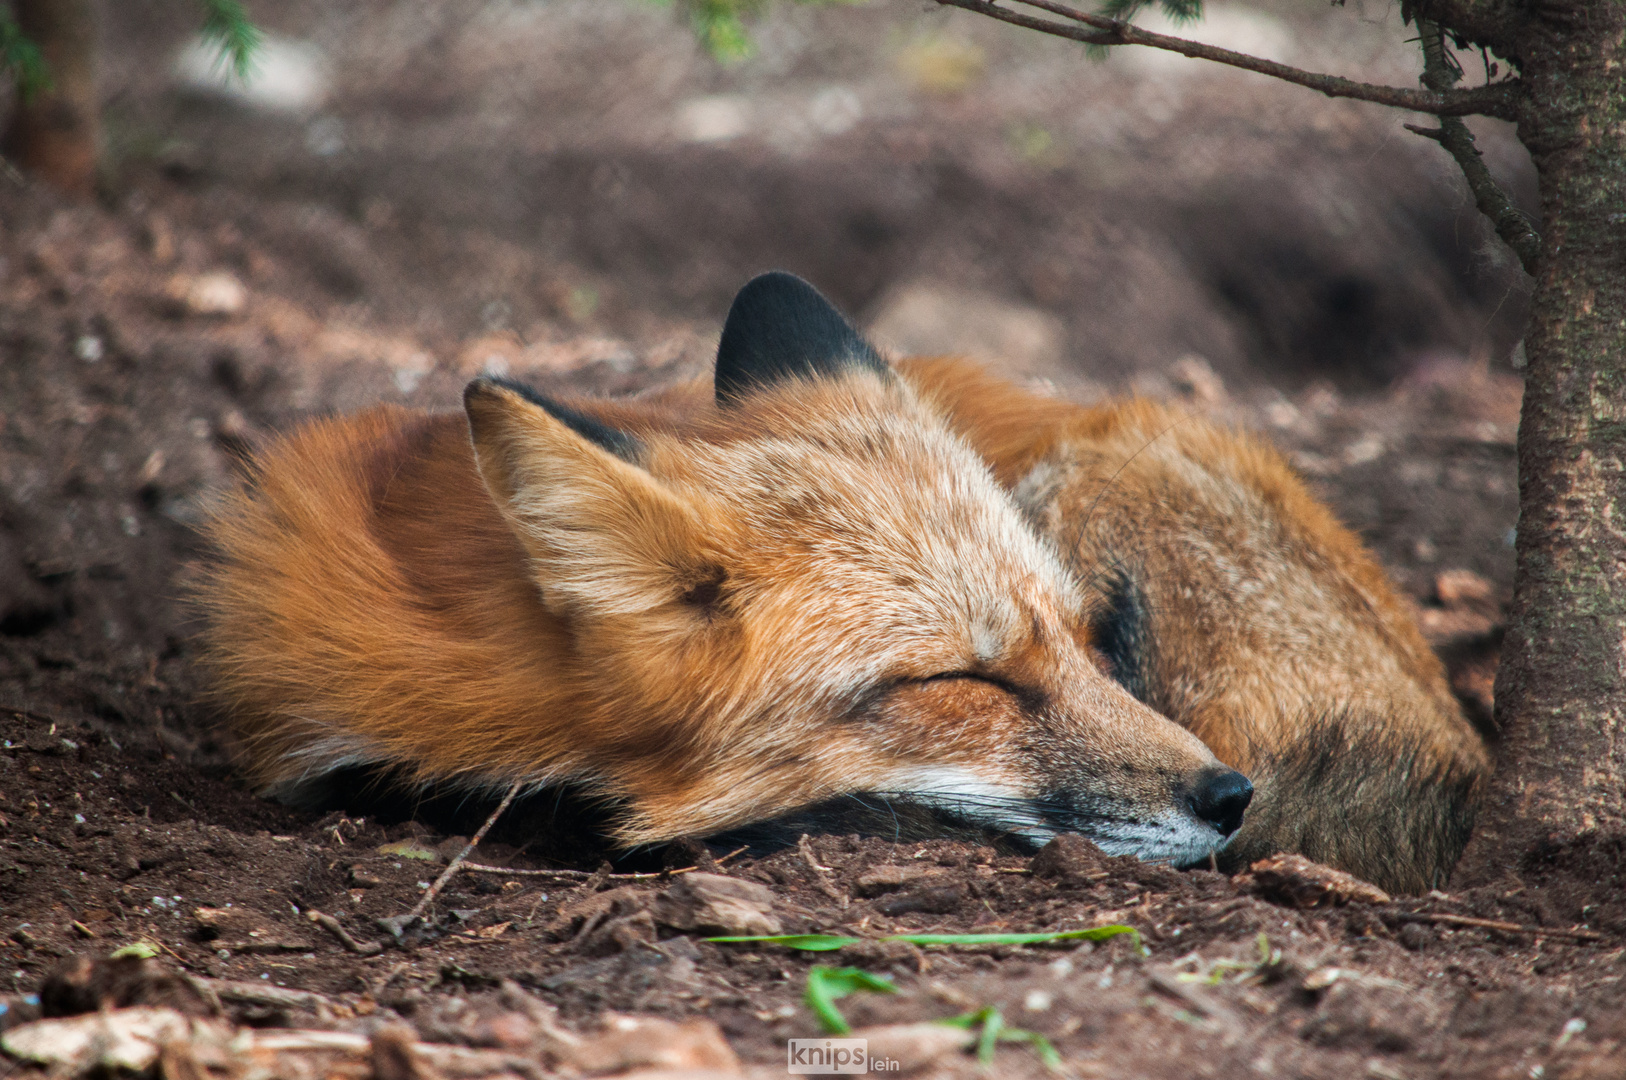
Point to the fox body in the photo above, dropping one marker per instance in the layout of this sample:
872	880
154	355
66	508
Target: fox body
798	593
1231	600
792	587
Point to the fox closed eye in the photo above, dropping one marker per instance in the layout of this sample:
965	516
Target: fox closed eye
1029	698
992	680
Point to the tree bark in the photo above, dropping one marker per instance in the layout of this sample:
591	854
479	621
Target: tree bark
1561	690
56	134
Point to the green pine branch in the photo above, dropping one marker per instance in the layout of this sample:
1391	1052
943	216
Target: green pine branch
723	26
20	58
226	22
1179	12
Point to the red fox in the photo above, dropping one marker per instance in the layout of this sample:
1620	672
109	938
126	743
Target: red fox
1230	600
794	594
795	586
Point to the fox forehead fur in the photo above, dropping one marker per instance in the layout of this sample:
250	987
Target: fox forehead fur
712	613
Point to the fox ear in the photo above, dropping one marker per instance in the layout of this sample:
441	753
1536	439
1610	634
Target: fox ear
779	328
605	537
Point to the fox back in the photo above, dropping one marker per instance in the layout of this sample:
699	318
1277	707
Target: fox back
710	609
1231	600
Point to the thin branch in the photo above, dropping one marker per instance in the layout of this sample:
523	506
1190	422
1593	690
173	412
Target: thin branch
249	993
1496	99
451	868
1444	919
332	926
580	875
397	924
1440	73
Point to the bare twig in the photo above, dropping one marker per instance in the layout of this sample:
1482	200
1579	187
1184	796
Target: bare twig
205	991
261	994
1440	74
480	868
804	848
1494	99
821	873
397	924
1496	924
452	867
584	875
736	853
329	923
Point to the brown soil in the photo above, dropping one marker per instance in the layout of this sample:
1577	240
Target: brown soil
1288	264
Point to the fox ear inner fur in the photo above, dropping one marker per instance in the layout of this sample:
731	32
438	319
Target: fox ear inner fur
779	327
605	537
618	442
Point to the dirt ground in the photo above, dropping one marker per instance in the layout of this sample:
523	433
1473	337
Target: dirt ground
570	192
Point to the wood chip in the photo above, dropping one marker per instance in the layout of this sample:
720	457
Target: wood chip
713	903
1300	882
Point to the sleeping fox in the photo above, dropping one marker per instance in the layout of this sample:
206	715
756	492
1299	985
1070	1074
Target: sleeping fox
794	598
794	587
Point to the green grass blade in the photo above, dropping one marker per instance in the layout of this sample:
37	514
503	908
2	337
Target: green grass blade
1098	933
849	979
965	1021
1041	1046
804	942
826	985
822	1001
1049	1056
992	1025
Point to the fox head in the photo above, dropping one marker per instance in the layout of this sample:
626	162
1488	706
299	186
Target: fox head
815	590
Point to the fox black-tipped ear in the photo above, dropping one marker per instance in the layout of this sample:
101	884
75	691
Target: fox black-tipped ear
779	328
604	535
622	445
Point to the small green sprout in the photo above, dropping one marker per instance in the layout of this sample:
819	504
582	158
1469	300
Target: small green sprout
825	985
994	1031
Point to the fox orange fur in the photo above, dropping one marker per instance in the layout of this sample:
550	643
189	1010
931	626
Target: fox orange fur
1235	603
709	609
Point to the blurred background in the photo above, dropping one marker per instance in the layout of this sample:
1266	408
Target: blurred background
460	167
410	192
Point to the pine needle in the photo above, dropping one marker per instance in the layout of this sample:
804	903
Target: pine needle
226	22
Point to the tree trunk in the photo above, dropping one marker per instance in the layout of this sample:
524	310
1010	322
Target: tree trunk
1561	690
56	134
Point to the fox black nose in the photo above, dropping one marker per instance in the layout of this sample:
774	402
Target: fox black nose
1219	797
